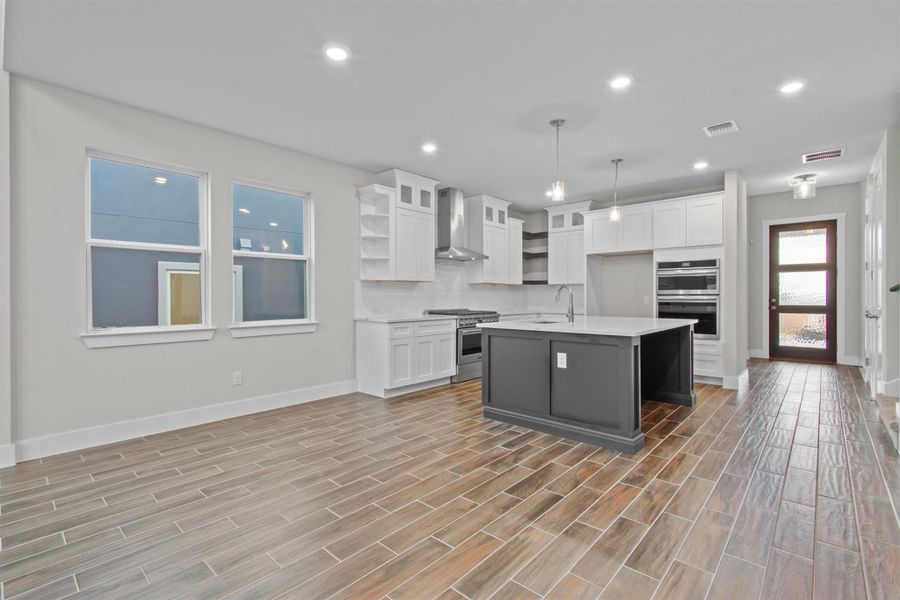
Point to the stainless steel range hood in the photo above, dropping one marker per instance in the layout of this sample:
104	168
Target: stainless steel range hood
451	227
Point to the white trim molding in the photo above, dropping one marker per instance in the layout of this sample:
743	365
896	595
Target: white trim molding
759	354
7	455
142	336
841	275
260	328
889	388
80	439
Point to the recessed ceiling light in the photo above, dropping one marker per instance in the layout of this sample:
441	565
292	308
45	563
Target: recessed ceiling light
273	224
336	52
791	87
429	148
160	180
246	211
620	82
700	165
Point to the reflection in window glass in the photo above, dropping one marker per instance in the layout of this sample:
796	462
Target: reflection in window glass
802	288
806	246
801	330
134	203
267	221
141	288
272	289
270	222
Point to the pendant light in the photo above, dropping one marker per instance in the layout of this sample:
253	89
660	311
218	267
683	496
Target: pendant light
804	186
614	211
557	188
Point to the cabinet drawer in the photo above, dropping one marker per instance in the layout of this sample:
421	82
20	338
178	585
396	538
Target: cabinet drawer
707	347
400	330
708	365
433	327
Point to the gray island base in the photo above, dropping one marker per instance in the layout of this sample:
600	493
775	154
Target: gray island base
586	380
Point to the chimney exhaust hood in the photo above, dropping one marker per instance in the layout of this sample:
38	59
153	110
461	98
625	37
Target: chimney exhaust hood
451	227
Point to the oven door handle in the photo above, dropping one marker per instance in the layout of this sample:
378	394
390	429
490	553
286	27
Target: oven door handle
465	330
688	299
672	272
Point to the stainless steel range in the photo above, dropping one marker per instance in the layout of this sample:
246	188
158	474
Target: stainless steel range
468	339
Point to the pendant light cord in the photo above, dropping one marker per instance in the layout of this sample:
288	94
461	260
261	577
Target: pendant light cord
557	150
616	162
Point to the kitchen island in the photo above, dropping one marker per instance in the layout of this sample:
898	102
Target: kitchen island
586	380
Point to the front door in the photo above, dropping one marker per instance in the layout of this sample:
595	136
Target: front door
803	291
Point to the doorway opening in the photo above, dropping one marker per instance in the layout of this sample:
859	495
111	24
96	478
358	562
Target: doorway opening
803	291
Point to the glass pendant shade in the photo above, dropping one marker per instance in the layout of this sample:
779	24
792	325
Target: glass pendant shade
614	213
804	187
558	191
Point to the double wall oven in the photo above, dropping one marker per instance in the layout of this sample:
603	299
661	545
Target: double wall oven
690	290
468	339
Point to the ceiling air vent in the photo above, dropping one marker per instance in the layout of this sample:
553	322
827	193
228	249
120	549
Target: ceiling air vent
721	129
823	155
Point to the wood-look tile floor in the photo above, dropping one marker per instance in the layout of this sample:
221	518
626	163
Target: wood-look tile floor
780	490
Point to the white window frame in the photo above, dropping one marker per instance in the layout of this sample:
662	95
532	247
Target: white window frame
158	334
241	329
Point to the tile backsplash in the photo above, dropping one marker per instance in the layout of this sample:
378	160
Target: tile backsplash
450	289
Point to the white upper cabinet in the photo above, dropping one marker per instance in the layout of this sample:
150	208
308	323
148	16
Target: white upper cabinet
703	220
515	251
557	257
489	232
577	258
635	228
566	226
668	224
677	223
601	235
397	236
411	191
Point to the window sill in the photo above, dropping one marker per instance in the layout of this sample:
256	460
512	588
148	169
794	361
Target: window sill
140	336
260	328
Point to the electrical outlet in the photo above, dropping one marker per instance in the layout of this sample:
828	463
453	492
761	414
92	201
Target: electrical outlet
237	378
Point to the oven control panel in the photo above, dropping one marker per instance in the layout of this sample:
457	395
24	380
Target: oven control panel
472	321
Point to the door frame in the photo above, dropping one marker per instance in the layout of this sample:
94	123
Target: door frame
841	266
829	353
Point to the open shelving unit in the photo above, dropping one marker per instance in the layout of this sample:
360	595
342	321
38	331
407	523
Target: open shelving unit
375	203
534	257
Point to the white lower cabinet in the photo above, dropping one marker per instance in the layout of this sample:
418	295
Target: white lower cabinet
392	356
708	358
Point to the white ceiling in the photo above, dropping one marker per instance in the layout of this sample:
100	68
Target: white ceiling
482	80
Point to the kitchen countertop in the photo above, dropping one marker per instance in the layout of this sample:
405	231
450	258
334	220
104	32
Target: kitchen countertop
614	326
404	318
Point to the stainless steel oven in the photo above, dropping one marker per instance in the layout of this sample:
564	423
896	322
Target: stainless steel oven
468	339
688	278
703	308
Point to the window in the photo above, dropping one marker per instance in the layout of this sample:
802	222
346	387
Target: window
272	259
147	251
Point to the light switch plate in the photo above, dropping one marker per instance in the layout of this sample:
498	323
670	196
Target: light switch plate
560	360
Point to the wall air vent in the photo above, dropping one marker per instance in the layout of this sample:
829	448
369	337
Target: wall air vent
823	155
721	129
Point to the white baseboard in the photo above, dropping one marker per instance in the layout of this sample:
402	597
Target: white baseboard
731	382
759	354
889	388
853	361
7	455
406	389
80	439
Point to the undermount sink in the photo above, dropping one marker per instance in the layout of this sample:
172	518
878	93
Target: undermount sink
544	322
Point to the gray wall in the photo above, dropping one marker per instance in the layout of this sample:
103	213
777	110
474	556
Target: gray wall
59	384
847	199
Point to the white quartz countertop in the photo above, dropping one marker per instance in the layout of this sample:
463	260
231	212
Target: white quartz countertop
616	326
404	318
